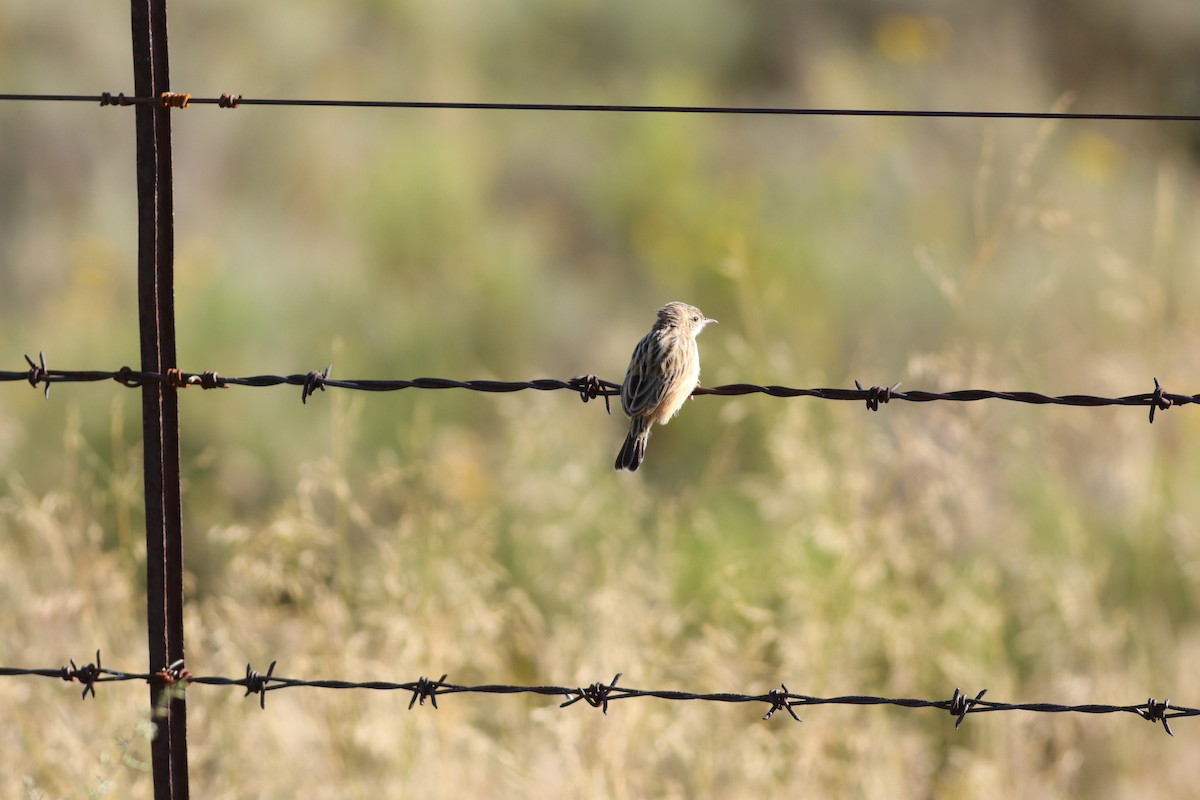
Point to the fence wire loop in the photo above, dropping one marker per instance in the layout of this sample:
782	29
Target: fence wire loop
228	100
1157	712
175	99
427	688
590	387
256	683
313	381
127	378
1157	400
38	373
780	702
209	379
961	705
88	674
108	99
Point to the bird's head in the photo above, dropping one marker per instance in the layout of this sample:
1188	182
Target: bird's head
683	316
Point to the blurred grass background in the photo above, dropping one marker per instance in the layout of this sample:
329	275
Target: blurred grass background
1043	553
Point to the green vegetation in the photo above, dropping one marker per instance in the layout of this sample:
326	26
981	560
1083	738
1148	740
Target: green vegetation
1046	554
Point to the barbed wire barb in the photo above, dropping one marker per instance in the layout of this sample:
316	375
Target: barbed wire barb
961	705
314	381
877	394
1157	712
591	387
88	674
38	372
596	695
780	701
1158	400
257	683
426	688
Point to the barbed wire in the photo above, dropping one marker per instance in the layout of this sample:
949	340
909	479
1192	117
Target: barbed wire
589	387
228	100
597	695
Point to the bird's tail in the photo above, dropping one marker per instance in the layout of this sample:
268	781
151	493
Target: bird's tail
634	449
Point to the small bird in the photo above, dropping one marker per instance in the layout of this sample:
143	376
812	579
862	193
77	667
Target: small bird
662	373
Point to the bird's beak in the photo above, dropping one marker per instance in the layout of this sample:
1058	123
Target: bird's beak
709	320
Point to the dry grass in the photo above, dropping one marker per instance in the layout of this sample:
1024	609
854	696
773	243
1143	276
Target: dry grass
893	554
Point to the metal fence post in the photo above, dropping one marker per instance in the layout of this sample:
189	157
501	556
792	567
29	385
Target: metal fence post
160	405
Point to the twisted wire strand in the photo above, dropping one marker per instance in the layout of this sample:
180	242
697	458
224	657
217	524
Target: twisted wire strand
228	100
587	386
596	695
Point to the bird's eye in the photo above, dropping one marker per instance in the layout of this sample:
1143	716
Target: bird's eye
695	319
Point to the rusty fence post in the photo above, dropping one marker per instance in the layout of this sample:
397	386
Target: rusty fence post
160	404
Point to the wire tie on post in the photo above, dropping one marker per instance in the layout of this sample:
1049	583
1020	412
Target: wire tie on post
175	379
175	99
961	705
227	100
1157	712
315	380
39	373
779	702
426	688
1157	401
256	683
87	675
173	673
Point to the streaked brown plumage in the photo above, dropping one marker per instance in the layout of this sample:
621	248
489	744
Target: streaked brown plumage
662	373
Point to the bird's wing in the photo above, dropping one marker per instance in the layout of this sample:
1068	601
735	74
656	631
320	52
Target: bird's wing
644	386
